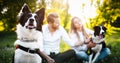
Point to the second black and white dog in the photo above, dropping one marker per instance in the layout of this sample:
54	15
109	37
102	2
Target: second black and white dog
29	36
98	38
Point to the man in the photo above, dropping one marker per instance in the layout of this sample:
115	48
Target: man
52	33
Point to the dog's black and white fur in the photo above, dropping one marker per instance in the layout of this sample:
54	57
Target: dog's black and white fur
29	36
98	38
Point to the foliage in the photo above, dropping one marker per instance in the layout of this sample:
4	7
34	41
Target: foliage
107	12
117	22
9	10
62	9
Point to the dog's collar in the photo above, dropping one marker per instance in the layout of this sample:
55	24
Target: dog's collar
27	49
27	40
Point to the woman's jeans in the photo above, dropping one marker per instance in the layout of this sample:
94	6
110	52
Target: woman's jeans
84	56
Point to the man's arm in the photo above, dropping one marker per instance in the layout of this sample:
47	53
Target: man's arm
40	51
49	59
66	38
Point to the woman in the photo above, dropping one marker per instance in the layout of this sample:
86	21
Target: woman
80	35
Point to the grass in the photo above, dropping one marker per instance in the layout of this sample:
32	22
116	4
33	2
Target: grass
7	40
7	46
113	41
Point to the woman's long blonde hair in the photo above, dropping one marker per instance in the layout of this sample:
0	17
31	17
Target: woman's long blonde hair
74	30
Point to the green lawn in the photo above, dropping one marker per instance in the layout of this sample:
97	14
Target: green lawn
7	46
113	41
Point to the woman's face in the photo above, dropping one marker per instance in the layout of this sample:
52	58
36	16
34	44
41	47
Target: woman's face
77	23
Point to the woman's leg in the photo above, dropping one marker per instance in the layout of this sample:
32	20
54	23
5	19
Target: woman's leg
105	52
82	55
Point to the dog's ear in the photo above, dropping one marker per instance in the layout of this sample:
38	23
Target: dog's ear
21	15
25	9
95	27
96	30
40	13
104	28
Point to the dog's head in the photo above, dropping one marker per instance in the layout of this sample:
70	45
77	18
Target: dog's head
30	20
100	31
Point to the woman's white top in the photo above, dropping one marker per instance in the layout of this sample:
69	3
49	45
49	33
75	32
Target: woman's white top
74	39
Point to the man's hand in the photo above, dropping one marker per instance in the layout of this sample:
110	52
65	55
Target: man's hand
50	60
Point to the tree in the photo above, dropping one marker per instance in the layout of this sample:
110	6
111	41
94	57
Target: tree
116	23
9	10
107	12
60	7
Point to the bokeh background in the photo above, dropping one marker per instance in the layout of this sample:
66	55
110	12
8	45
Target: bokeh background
91	12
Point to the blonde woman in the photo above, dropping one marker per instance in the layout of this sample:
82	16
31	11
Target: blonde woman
80	35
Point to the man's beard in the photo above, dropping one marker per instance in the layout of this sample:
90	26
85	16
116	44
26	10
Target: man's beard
55	28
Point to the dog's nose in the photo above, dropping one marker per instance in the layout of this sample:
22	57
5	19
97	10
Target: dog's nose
31	20
103	33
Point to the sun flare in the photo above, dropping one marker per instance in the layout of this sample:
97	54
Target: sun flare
82	9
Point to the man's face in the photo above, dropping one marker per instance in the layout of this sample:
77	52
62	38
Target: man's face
56	23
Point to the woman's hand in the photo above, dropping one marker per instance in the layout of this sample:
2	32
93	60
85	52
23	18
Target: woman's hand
79	43
90	45
87	40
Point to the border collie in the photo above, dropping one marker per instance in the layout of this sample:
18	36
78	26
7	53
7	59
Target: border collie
98	38
29	36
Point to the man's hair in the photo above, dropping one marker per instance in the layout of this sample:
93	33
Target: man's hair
51	16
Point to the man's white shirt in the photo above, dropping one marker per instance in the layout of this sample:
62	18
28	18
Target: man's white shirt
51	42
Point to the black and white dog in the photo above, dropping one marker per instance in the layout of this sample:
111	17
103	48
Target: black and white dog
98	38
29	36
